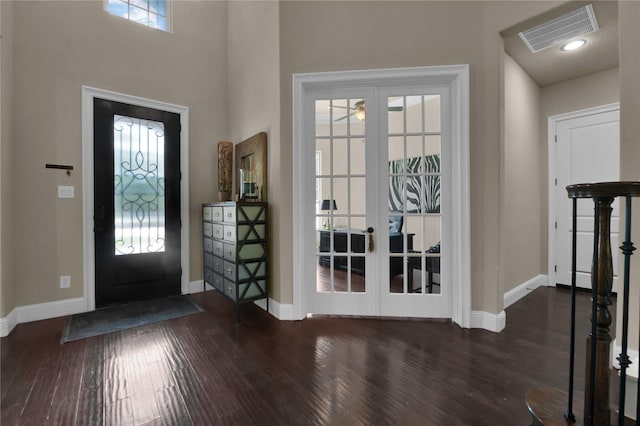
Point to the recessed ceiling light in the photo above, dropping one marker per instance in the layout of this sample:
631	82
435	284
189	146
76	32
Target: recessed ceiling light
573	45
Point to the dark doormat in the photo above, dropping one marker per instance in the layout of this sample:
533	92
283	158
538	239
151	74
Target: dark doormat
116	318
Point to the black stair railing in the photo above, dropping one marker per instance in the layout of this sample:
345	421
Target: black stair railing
596	401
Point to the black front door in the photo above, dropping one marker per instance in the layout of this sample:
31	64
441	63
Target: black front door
137	202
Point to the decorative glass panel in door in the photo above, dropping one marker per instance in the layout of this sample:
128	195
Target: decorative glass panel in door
139	219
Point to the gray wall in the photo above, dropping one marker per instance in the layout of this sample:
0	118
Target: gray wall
57	48
254	101
6	164
523	162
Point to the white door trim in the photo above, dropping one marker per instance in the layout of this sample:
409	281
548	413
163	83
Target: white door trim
456	78
88	94
552	123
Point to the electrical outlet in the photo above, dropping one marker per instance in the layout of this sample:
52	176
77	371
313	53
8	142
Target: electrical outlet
65	281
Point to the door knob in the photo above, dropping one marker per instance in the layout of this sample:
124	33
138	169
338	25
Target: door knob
370	232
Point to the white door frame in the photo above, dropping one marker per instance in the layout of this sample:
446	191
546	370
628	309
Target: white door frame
552	123
89	263
456	78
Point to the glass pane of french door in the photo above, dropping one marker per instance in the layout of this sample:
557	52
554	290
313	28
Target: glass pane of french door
340	185
414	178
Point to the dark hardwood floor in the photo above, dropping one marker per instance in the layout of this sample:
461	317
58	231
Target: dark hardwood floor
205	369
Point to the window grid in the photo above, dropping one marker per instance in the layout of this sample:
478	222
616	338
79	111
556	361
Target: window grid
333	178
151	13
422	175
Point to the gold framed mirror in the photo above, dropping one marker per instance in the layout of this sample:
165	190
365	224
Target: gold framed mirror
251	156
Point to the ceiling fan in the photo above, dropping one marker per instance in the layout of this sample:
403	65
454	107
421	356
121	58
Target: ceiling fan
358	110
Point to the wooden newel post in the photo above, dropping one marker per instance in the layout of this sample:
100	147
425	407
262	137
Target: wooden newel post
602	281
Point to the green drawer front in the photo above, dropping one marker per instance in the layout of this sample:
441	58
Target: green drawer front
207	213
230	289
218	231
230	252
230	271
229	214
208	260
217	214
230	233
218	265
209	276
218	248
218	282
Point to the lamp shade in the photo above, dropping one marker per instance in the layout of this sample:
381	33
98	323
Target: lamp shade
328	205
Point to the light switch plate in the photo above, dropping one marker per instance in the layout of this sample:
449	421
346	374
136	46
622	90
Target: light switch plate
66	192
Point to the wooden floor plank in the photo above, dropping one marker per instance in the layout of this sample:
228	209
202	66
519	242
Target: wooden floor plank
208	369
66	395
90	406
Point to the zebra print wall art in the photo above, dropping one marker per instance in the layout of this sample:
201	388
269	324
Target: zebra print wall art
423	186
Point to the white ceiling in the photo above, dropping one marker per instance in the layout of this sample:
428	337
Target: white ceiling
553	65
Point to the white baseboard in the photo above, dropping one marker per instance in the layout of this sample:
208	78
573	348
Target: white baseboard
41	311
8	323
512	296
60	308
281	311
196	287
488	321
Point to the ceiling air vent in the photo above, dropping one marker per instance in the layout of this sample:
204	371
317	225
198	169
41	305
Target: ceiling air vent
576	23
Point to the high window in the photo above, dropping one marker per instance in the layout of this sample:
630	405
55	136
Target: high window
152	13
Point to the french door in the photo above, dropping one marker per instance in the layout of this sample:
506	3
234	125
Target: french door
136	202
381	212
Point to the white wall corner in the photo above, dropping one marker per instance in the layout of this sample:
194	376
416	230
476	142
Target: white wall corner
513	295
8	323
488	321
195	287
281	311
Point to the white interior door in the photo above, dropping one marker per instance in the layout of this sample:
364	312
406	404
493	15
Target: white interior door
380	206
587	150
344	223
415	152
